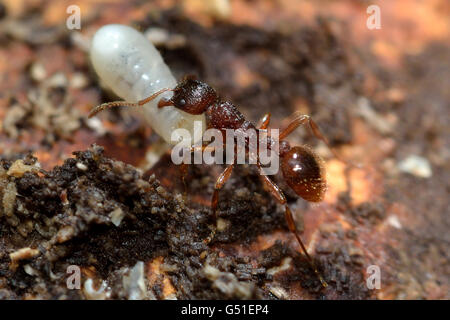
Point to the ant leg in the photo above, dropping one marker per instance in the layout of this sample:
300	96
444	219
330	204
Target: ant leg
183	167
140	103
306	119
190	76
264	122
278	194
220	182
183	173
203	148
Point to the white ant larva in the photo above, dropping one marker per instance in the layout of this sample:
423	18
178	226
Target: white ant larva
132	67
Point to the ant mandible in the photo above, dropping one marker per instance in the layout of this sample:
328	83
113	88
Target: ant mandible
303	170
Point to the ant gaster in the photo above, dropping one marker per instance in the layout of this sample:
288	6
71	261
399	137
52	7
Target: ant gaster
302	169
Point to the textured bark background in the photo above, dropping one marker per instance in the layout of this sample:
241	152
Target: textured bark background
380	96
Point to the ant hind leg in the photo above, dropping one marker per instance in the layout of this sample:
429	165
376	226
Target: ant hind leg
306	119
278	194
264	122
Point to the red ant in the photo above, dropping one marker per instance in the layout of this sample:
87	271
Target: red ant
303	170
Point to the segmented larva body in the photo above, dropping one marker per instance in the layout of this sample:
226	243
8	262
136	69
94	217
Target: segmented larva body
132	67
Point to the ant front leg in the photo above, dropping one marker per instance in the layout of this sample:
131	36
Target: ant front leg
220	182
183	173
306	119
279	196
183	167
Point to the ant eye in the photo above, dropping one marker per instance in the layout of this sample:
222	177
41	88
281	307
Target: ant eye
182	102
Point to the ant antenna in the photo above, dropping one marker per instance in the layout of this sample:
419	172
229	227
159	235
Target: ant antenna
113	104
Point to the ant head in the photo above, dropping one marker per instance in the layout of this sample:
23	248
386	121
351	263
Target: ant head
304	172
191	96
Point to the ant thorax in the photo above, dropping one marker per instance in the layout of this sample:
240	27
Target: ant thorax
224	115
